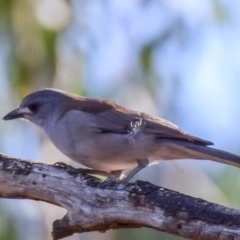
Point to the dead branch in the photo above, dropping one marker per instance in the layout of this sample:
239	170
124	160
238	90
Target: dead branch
93	205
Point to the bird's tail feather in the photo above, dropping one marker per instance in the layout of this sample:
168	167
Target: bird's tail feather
216	155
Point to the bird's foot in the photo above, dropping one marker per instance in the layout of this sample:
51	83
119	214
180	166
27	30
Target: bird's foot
60	164
115	178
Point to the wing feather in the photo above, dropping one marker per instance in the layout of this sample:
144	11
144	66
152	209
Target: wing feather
121	121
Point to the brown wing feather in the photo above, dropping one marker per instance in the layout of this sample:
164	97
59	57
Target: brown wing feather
117	119
166	129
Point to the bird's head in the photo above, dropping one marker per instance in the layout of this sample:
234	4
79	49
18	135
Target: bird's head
38	107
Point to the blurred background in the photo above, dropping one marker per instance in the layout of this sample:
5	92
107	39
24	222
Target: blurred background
179	60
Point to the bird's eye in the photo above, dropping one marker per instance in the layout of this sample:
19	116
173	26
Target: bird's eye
33	107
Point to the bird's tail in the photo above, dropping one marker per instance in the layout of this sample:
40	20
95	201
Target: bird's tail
215	154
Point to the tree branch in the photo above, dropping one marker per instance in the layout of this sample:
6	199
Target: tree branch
93	205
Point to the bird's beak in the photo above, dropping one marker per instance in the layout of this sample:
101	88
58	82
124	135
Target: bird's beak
16	113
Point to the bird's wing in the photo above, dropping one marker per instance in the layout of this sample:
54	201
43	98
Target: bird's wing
123	121
166	129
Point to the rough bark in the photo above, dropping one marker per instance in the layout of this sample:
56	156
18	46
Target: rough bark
93	205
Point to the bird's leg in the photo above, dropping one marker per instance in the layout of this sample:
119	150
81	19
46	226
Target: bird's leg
142	163
112	178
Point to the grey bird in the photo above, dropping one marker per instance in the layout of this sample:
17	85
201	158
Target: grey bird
107	137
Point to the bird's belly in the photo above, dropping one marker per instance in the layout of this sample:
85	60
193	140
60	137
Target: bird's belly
108	156
108	152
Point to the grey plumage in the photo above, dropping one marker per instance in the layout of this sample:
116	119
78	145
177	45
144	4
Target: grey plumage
105	136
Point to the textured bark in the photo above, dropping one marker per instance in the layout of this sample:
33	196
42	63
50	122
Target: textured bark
93	205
